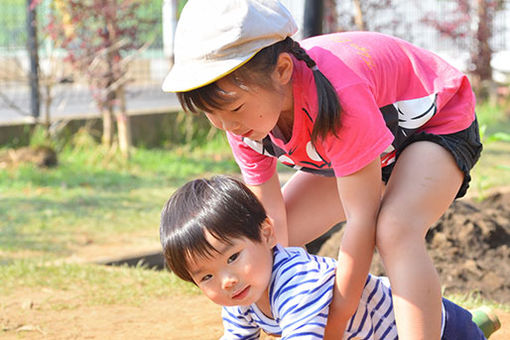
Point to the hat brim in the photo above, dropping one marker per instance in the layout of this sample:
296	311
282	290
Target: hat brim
183	77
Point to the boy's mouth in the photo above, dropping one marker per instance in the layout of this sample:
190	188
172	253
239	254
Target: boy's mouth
241	294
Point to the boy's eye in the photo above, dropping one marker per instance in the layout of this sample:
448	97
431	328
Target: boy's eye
233	258
206	277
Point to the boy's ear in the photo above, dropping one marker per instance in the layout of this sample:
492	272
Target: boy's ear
283	70
267	232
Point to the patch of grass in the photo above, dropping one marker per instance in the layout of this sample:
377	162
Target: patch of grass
96	195
93	284
473	300
493	168
494	117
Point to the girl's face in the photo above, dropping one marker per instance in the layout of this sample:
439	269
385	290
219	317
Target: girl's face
254	112
239	274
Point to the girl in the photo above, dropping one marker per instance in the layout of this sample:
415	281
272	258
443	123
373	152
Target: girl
346	110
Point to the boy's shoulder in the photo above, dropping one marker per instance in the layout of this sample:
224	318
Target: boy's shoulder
296	269
297	258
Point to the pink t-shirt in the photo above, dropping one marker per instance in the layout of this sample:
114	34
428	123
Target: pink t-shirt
388	90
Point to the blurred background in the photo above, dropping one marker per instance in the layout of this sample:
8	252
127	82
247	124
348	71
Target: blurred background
62	60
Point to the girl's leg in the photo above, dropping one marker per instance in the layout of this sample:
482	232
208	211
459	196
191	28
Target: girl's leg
424	182
313	206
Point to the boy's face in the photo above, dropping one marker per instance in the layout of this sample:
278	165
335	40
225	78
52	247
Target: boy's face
239	274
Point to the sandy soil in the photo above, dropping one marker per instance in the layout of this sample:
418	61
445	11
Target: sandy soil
180	317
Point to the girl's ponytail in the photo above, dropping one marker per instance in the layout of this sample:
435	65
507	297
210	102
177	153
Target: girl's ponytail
328	116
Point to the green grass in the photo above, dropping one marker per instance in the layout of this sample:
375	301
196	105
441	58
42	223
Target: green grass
92	284
493	169
473	300
94	195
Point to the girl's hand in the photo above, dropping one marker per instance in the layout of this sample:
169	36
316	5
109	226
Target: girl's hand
360	194
270	194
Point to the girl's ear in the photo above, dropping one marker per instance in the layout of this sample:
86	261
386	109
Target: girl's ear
283	70
267	232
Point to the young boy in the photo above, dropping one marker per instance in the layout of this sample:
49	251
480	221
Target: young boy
216	234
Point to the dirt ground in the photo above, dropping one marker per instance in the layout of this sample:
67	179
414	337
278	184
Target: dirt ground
180	317
470	246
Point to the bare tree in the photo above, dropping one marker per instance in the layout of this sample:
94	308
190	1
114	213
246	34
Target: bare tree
101	38
371	15
470	24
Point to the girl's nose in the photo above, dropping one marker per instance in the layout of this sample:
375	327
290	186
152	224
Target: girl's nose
229	125
223	123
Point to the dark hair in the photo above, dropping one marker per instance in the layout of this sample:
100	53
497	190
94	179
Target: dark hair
222	206
257	71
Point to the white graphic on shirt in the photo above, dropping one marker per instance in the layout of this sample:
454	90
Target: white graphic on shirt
413	113
286	160
257	146
312	153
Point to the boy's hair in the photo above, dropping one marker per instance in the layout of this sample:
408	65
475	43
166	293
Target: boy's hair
257	71
222	206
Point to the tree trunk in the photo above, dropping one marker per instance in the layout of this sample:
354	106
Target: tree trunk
47	107
123	125
358	16
481	58
330	17
107	125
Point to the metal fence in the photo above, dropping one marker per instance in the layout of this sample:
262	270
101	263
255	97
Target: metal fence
68	98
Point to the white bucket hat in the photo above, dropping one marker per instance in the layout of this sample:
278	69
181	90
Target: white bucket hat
215	37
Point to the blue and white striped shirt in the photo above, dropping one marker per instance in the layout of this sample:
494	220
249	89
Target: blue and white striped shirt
300	292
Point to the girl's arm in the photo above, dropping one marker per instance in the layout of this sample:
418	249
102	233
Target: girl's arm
360	194
270	194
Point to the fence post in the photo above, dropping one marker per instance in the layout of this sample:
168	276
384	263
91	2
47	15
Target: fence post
169	23
34	59
313	17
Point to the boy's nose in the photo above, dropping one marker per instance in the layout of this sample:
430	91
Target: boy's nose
228	282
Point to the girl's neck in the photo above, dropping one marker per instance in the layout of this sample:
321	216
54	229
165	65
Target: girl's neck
285	125
286	120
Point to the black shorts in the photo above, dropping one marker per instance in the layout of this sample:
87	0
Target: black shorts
465	146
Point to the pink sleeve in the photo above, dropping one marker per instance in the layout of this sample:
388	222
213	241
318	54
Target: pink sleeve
363	134
255	167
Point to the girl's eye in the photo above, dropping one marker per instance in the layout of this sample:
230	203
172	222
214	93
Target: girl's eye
206	277
238	108
233	258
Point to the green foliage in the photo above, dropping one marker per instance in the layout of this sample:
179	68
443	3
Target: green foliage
95	194
495	118
493	169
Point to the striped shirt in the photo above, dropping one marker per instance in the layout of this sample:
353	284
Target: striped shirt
301	288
